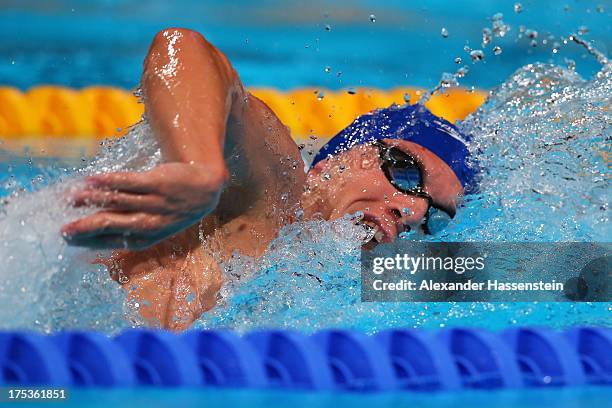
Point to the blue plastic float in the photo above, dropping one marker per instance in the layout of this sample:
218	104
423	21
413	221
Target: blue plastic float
329	360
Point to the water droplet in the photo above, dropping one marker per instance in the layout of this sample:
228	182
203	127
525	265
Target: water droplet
448	80
351	91
518	7
458	60
477	55
486	36
341	167
497	50
327	27
444	32
406	211
533	34
320	95
500	28
372	18
533	43
407	97
326	176
327	69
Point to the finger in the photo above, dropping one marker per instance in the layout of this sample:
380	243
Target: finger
104	223
110	241
118	201
132	182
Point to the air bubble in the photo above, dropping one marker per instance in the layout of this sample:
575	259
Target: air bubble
497	50
518	7
444	32
327	69
372	18
458	60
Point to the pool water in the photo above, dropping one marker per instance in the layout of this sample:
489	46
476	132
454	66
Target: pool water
286	44
145	397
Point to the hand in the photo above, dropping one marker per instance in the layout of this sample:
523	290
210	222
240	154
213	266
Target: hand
140	209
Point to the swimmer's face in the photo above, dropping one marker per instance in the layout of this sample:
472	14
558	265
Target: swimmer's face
353	181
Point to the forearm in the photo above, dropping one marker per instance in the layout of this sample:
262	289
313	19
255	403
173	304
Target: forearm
189	88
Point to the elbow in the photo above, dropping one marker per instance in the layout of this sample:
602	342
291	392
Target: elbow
185	44
175	36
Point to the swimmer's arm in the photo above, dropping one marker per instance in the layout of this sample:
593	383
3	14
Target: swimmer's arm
190	92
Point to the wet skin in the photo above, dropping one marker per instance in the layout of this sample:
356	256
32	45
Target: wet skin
232	177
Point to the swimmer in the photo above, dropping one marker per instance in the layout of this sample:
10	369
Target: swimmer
232	176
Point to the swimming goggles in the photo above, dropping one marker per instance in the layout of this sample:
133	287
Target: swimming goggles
406	175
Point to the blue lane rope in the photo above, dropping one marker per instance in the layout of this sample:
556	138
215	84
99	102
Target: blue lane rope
330	360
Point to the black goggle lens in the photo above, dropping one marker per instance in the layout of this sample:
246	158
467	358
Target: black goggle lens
404	172
406	178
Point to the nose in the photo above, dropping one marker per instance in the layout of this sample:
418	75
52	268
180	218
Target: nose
409	211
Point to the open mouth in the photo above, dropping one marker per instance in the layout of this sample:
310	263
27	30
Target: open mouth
375	232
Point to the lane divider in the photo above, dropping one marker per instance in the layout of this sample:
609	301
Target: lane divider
99	111
329	360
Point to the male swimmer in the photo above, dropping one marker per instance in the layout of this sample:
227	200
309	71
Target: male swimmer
232	176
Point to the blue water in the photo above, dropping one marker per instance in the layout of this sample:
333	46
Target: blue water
147	397
285	44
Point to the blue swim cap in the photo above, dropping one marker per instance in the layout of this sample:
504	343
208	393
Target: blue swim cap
414	123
